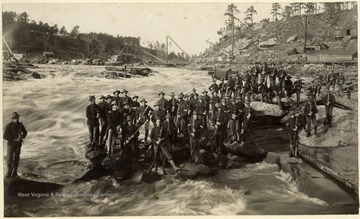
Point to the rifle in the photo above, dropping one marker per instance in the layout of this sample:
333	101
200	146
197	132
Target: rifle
20	138
131	137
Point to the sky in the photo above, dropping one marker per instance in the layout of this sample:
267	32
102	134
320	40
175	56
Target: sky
189	24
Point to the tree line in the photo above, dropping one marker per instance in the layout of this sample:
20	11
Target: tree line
27	36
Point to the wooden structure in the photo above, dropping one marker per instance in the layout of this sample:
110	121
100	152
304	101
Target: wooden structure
331	56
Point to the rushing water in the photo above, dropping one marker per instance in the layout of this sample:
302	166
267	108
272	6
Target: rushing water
53	111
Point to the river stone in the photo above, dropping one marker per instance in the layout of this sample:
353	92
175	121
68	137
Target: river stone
13	186
207	157
191	171
267	109
248	150
150	177
36	75
272	158
342	132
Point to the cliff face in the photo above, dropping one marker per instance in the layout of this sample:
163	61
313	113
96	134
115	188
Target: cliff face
284	40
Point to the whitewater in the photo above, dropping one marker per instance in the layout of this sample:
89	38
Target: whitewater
53	111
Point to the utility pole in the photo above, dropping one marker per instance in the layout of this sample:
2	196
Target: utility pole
232	40
167	49
305	34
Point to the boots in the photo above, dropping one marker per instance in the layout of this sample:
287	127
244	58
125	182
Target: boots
176	168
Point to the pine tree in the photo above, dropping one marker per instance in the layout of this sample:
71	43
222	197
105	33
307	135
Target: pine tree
287	12
249	14
275	11
231	12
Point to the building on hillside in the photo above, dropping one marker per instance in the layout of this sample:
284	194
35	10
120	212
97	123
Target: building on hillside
349	31
331	56
319	46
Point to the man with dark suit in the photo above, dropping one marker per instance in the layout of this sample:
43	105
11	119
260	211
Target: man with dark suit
14	134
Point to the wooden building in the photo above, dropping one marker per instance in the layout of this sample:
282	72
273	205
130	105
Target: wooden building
329	56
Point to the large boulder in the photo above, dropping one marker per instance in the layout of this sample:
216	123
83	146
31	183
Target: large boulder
267	109
247	150
342	132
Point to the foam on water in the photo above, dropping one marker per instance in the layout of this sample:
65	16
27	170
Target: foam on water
53	111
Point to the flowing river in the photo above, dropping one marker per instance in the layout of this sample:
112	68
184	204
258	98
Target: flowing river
53	111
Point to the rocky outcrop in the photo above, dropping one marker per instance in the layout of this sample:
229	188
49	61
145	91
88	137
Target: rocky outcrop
266	109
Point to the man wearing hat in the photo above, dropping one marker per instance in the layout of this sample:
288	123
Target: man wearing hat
235	110
157	114
172	105
194	102
143	117
329	101
340	82
126	100
293	125
288	86
104	109
214	86
162	103
93	122
221	120
117	98
129	137
310	111
168	132
192	95
247	121
134	108
194	129
114	120
214	100
157	145
206	99
222	88
202	111
297	88
14	134
182	114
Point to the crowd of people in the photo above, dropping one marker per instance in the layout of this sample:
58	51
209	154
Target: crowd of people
115	122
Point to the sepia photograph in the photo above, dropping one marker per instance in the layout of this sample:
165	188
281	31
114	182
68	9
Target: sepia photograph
180	109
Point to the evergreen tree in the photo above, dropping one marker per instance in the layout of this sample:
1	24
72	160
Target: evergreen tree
249	15
287	12
275	11
231	12
63	31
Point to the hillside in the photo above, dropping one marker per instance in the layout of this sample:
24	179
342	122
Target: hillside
283	40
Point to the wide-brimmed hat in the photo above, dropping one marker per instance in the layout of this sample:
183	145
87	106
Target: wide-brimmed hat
204	91
156	104
116	91
102	97
172	94
91	97
180	95
288	77
143	100
161	93
128	118
124	91
194	89
113	103
15	115
109	97
134	97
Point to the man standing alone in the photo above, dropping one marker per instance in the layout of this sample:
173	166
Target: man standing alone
14	133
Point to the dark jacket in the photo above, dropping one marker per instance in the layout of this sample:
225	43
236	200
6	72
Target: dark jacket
329	99
12	131
114	119
168	129
195	127
310	107
172	105
182	109
91	112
